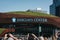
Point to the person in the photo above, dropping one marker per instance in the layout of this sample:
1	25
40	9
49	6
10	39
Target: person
35	37
45	38
9	37
41	38
5	37
27	36
32	37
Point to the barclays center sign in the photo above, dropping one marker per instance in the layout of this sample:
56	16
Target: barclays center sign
29	20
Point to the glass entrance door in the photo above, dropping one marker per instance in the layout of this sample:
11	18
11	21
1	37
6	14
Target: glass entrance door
26	28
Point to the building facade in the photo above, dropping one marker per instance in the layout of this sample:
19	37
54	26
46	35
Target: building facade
24	24
55	8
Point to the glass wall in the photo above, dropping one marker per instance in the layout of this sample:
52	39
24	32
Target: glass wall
58	11
37	29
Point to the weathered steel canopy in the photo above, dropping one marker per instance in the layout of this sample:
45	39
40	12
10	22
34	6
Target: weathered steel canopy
7	18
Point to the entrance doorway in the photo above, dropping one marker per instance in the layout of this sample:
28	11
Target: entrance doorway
26	28
47	30
36	28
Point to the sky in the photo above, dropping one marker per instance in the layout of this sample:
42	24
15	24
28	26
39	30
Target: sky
22	5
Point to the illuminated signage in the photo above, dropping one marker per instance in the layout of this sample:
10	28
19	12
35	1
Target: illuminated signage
31	20
13	19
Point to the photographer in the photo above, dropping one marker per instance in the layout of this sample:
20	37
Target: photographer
9	37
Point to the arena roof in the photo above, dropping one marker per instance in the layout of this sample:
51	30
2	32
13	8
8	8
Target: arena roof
31	13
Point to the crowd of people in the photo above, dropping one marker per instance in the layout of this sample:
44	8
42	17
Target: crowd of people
9	37
32	36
